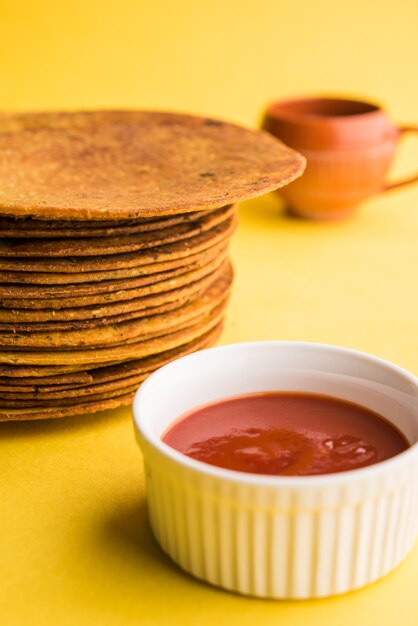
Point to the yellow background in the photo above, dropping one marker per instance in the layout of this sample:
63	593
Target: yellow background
75	544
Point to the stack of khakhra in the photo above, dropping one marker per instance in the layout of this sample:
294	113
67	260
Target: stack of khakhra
114	248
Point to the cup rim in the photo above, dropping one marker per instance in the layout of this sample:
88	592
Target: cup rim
279	481
281	110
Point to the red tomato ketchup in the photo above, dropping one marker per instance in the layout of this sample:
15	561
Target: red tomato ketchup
285	433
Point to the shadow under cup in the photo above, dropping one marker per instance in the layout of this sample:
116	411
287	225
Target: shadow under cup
349	146
280	536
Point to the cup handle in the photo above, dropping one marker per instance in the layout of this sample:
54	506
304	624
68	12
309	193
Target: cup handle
411	179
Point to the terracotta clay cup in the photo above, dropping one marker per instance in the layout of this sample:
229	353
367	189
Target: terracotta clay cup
349	146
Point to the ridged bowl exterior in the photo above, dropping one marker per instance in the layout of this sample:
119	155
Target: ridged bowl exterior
277	542
281	537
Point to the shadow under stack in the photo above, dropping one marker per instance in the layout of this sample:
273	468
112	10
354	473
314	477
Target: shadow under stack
114	232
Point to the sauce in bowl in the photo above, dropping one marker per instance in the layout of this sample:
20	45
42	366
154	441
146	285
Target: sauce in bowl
285	433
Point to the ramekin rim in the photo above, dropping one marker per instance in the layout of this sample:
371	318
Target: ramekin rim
264	480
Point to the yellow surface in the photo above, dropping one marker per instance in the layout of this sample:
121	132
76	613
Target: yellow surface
75	543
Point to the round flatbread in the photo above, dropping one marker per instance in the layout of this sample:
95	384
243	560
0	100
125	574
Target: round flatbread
79	393
129	164
144	304
8	414
72	401
44	327
21	371
109	373
112	245
45	292
51	278
125	332
174	251
15	227
58	410
9	380
183	280
121	352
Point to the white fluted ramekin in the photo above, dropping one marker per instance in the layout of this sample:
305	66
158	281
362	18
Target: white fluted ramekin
280	536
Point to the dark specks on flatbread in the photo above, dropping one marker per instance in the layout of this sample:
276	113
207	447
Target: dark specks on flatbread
210	122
